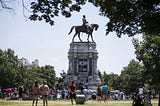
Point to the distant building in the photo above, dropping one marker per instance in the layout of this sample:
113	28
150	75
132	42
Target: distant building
24	62
35	62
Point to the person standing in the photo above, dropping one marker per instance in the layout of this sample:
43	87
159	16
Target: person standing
105	92
137	101
72	90
35	92
121	95
140	91
99	94
20	92
63	93
45	92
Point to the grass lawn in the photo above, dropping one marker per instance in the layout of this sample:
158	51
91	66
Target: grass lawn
68	103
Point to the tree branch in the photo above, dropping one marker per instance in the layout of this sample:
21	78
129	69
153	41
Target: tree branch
4	5
25	8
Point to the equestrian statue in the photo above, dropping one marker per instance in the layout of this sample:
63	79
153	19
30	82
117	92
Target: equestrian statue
84	28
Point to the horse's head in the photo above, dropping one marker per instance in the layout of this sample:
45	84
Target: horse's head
95	26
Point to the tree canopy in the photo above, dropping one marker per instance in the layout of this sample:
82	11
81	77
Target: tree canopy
148	51
129	80
129	17
8	68
126	17
132	76
13	74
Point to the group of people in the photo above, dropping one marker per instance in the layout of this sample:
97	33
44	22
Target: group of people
139	99
40	90
14	93
44	90
102	93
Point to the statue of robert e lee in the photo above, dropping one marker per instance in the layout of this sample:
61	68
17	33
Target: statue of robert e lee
84	28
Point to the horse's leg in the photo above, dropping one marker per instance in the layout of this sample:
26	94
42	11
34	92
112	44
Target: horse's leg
92	38
74	37
79	36
88	38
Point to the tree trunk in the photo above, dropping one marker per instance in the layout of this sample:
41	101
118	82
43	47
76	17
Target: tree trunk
159	97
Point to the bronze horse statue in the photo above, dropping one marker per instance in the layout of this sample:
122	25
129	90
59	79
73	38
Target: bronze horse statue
88	29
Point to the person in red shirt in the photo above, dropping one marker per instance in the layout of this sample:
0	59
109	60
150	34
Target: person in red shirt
72	90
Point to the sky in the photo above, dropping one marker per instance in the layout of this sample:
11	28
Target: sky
50	44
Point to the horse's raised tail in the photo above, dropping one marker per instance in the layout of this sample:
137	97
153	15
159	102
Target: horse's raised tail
71	29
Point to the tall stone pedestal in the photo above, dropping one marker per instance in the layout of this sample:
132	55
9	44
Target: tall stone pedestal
83	64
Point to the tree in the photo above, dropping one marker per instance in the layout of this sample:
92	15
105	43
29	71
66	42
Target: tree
48	74
48	9
8	68
111	80
132	76
100	75
105	78
6	5
129	17
14	75
9	5
62	77
148	51
28	75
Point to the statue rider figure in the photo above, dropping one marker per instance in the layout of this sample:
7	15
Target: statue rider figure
85	23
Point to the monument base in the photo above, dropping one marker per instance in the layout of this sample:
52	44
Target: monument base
83	64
